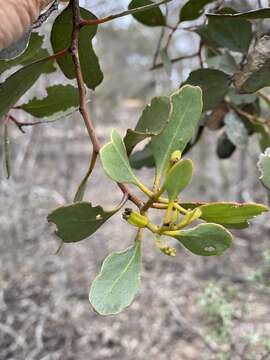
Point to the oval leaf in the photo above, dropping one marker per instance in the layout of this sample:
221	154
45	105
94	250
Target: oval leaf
178	178
184	119
115	161
78	221
151	17
214	85
118	282
206	239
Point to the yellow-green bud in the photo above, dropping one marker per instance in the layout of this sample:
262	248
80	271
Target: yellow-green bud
175	157
135	219
168	250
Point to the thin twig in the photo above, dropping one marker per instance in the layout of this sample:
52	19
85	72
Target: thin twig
180	58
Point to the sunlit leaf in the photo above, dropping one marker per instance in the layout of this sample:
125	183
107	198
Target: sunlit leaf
118	282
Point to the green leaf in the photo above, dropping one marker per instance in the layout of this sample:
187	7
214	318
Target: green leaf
78	221
234	35
231	214
236	130
184	119
14	87
249	15
115	161
178	178
118	282
214	85
206	239
152	17
264	167
225	62
33	53
193	9
59	99
151	123
61	38
142	158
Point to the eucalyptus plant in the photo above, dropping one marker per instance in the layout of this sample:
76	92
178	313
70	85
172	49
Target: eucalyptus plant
170	123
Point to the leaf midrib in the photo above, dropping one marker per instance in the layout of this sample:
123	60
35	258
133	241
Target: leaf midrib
163	163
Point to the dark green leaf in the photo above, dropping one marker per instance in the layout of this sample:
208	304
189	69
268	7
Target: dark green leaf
264	167
178	178
118	282
61	38
142	158
115	161
59	99
214	84
193	9
184	119
17	84
151	123
206	239
234	35
78	221
152	17
33	53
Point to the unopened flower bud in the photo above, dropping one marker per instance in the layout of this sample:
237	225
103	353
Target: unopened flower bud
135	219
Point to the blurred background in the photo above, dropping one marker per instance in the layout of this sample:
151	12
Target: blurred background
189	307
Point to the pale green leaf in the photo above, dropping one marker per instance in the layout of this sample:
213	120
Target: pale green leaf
184	119
178	178
118	282
115	161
